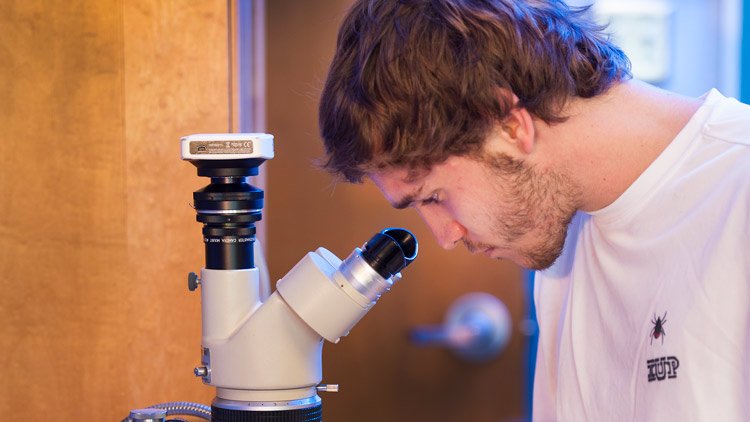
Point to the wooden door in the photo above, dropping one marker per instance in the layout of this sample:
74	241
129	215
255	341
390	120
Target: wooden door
383	376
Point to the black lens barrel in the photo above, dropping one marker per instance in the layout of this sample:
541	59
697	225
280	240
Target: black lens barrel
228	209
228	168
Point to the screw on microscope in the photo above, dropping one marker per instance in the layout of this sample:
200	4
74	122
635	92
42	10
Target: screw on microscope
328	388
200	371
193	281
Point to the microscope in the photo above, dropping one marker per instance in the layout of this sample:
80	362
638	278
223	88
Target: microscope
263	352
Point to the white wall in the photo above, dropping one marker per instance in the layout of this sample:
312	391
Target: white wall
703	38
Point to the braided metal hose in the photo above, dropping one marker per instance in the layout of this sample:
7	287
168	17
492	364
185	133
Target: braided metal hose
182	408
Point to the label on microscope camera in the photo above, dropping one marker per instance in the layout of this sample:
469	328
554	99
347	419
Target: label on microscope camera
221	147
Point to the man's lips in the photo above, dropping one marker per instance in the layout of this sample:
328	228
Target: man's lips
475	248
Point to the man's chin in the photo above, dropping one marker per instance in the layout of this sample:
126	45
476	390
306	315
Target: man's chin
540	262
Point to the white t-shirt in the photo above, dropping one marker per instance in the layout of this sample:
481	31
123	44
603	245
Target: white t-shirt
646	315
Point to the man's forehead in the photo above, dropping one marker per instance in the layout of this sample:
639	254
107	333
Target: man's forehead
400	186
402	174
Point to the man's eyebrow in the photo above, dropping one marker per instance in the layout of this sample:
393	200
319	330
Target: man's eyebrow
408	199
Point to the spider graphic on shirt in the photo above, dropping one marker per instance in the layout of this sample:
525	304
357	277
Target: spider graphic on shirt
658	330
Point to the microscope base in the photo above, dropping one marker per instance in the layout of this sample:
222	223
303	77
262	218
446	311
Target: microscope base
305	410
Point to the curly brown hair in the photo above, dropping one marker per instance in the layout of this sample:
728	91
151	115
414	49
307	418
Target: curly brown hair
414	82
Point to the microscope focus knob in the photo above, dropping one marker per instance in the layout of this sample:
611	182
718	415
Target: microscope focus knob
193	281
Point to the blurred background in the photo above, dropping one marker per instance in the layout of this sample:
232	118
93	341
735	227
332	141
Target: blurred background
97	235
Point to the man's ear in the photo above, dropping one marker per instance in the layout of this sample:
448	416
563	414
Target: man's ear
518	128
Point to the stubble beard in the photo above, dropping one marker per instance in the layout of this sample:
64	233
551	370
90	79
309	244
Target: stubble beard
535	217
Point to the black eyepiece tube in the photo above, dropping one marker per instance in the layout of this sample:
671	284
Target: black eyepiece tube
390	251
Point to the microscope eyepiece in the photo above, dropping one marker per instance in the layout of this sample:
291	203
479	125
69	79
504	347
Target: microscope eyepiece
390	251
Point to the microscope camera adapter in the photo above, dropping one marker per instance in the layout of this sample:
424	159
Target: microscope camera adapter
228	207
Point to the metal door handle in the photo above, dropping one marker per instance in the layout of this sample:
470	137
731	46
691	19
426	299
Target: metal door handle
477	328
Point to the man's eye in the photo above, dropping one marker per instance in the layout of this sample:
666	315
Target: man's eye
431	200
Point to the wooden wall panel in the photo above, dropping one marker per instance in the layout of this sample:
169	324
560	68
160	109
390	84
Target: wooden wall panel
176	83
62	208
96	232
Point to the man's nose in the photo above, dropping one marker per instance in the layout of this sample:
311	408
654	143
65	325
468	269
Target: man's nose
447	231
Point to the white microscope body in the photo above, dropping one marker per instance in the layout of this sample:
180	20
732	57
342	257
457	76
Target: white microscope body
270	350
263	354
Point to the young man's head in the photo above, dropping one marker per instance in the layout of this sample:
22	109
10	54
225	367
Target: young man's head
416	85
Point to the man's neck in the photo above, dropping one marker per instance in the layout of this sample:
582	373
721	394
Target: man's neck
609	140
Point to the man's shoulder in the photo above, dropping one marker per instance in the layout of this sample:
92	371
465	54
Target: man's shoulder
729	120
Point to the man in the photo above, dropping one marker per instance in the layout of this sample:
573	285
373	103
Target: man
516	129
